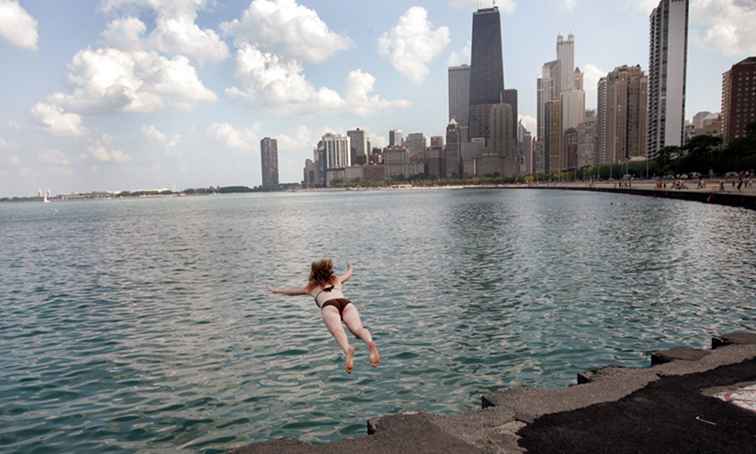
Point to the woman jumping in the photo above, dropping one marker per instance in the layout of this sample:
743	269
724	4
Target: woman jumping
326	287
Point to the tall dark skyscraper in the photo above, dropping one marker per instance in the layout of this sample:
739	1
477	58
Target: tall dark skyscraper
487	70
269	161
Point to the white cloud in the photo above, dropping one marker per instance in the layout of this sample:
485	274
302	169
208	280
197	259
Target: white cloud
111	80
286	28
413	43
231	137
568	5
154	135
54	158
726	25
125	34
505	6
17	26
461	57
530	123
176	30
591	76
359	97
280	84
56	120
101	149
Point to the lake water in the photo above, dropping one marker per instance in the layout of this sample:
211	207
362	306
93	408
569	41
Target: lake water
140	325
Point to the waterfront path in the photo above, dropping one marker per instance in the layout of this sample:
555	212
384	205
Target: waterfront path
710	193
670	407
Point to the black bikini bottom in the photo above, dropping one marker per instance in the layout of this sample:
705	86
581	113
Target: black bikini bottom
338	303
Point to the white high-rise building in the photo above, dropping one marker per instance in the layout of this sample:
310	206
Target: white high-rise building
548	89
459	94
566	57
334	152
668	59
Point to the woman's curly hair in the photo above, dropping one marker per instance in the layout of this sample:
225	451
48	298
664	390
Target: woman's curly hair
321	272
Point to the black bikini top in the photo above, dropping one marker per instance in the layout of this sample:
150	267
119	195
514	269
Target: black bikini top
328	289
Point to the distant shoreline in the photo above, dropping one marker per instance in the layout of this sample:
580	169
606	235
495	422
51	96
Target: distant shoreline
710	193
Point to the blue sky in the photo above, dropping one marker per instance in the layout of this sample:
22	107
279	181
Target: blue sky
136	94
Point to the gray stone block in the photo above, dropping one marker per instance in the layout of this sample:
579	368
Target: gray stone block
677	354
736	338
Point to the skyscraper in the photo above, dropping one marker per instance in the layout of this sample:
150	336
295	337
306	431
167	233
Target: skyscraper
453	153
587	141
358	144
487	71
548	89
738	99
333	152
573	108
623	113
553	141
566	58
459	94
269	163
602	152
416	144
396	139
509	96
668	59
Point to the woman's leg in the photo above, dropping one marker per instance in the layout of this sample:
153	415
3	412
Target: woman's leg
332	321
351	317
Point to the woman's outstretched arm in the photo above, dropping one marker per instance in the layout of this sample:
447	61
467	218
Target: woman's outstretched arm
290	291
348	275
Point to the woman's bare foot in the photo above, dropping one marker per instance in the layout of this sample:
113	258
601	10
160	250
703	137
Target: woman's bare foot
375	356
349	365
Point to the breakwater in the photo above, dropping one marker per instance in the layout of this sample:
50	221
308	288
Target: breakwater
671	405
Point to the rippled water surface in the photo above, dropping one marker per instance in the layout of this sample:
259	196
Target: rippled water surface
146	324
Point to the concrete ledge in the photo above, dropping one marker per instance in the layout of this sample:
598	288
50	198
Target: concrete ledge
719	198
509	414
736	338
677	354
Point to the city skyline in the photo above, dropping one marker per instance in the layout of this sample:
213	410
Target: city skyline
58	131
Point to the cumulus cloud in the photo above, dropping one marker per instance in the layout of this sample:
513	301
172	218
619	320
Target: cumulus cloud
102	149
505	6
231	137
176	31
726	25
359	97
286	28
530	123
280	83
462	56
413	43
17	26
111	80
125	34
154	135
56	120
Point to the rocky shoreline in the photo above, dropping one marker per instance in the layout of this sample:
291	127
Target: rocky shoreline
613	409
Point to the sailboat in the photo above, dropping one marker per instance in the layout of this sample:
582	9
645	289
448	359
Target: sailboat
46	199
